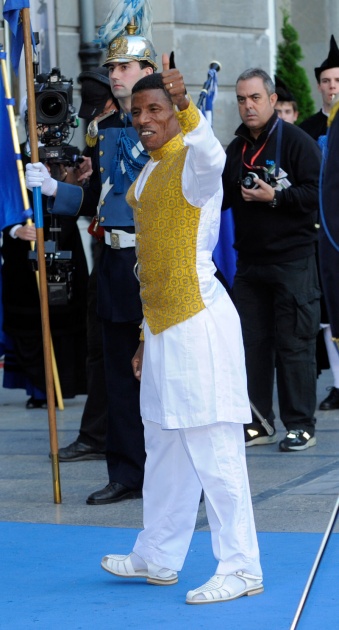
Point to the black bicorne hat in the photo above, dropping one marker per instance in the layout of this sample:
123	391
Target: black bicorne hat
332	60
282	91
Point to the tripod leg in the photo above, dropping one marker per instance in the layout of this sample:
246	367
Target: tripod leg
263	420
316	564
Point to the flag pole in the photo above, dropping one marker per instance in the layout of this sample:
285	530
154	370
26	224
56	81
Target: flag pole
38	215
26	208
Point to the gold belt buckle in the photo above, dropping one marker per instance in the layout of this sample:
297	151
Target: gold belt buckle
115	241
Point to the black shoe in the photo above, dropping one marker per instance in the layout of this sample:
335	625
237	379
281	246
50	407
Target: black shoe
78	451
36	403
256	434
113	493
297	440
332	400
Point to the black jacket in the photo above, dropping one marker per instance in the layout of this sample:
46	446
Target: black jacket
329	230
315	125
287	232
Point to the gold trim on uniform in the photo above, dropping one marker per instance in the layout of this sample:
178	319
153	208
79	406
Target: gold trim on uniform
93	129
333	112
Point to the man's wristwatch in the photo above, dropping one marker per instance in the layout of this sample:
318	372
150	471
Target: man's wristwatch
274	201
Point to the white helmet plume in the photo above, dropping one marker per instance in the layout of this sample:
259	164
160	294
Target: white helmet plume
123	12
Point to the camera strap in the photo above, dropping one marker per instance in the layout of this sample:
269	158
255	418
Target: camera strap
277	125
278	148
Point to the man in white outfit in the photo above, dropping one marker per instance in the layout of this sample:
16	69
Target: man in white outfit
190	360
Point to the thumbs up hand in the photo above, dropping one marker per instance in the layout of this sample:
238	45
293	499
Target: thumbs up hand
174	84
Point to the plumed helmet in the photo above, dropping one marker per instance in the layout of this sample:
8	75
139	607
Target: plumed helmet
125	32
130	48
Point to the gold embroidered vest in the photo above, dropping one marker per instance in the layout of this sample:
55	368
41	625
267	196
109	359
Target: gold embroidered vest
166	226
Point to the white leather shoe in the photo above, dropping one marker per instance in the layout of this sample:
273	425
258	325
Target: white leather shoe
222	588
123	567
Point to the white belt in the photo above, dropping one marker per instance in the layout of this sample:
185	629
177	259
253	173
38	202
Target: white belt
118	239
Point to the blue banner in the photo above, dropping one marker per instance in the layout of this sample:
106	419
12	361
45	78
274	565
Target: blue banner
224	255
11	203
211	95
11	13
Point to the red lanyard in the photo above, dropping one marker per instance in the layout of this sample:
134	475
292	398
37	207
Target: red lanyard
254	157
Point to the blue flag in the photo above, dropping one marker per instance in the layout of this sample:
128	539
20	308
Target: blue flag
212	92
11	13
224	255
11	203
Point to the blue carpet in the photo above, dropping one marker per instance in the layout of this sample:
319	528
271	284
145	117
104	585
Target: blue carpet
50	577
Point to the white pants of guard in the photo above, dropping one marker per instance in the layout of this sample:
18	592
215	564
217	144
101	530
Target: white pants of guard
180	462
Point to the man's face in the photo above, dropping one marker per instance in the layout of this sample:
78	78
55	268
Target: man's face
153	118
328	85
123	76
255	105
286	112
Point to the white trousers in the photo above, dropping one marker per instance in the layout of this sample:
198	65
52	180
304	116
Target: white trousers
181	462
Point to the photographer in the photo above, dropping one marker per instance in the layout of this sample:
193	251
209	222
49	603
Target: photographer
276	286
24	359
97	101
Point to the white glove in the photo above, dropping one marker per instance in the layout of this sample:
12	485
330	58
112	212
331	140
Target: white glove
38	175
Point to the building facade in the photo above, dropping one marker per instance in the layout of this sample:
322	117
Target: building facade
237	33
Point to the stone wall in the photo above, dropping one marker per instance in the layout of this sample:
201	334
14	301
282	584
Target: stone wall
232	32
237	33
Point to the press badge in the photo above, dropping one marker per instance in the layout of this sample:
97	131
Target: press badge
281	179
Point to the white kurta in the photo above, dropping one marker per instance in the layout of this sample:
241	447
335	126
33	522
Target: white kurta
193	381
194	372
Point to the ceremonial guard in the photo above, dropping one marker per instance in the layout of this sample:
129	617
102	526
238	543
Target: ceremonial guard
327	76
118	159
329	225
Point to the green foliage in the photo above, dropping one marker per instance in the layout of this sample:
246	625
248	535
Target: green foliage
290	72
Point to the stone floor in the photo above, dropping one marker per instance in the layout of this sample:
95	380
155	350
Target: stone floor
292	492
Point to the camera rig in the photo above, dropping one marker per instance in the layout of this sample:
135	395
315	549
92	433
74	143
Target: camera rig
55	113
59	270
55	117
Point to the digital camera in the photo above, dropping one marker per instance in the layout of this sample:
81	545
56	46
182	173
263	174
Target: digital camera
250	179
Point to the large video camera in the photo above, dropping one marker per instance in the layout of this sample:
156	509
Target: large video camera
55	117
55	112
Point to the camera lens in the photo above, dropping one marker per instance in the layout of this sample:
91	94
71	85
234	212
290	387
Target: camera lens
248	182
51	107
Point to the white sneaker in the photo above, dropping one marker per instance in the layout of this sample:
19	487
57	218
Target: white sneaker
222	588
123	567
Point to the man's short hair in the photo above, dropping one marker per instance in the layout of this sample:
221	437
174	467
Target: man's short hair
253	73
145	64
293	104
151	82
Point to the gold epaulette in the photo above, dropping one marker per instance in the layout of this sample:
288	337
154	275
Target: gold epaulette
93	129
333	112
